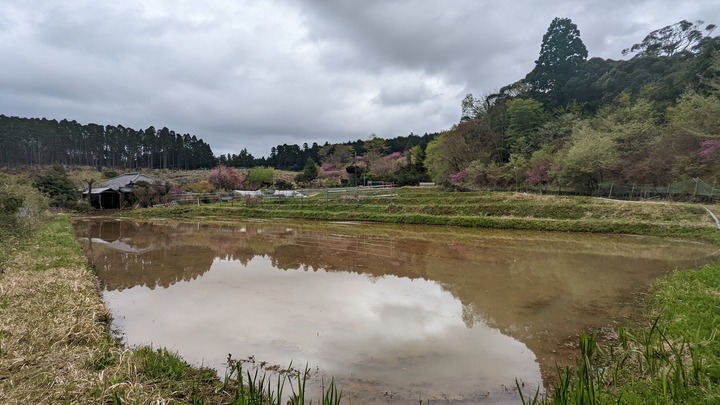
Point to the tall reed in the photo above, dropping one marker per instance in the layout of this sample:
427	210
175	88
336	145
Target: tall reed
256	388
649	365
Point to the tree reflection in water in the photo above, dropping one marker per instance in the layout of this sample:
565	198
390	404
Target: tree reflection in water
539	288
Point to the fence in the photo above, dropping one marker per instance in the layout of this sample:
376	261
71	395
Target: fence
328	194
694	190
689	190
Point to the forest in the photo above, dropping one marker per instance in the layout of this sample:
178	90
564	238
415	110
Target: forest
577	122
572	122
33	141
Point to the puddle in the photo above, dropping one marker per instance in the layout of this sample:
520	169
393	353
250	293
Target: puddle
394	313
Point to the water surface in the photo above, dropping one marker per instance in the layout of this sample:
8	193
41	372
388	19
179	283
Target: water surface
393	312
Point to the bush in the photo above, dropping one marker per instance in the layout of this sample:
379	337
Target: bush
109	173
10	203
260	176
83	205
283	185
56	184
149	194
408	175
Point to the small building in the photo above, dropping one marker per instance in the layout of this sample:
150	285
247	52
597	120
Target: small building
104	198
117	192
125	183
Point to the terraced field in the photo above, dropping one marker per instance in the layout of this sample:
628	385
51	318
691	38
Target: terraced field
477	209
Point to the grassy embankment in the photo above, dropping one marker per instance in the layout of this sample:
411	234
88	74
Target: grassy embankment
54	342
55	348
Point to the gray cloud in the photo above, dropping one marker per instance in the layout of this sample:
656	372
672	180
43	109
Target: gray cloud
256	74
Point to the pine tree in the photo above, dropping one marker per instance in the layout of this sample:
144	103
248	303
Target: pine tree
561	53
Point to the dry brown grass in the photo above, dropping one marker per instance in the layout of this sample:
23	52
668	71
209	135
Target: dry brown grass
54	342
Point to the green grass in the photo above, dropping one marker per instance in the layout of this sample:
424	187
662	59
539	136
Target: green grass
163	364
690	302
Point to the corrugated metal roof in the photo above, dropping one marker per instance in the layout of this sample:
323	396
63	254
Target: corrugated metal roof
99	190
125	180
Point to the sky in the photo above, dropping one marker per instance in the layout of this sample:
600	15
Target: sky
255	74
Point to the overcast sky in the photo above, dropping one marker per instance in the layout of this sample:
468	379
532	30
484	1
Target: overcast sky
256	74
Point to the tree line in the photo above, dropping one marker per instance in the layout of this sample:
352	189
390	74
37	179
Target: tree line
39	141
294	157
574	122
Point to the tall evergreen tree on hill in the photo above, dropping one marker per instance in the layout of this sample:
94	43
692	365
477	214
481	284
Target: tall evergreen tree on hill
561	53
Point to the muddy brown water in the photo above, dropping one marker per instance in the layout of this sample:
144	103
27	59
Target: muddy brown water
394	313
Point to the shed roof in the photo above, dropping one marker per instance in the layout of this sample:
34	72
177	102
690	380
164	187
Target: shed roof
100	190
128	180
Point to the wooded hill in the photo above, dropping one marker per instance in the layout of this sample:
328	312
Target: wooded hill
575	123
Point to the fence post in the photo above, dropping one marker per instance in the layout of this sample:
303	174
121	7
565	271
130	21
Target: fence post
611	189
696	187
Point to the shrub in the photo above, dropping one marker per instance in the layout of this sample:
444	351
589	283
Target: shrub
283	185
149	194
109	173
260	176
83	205
56	184
408	175
10	203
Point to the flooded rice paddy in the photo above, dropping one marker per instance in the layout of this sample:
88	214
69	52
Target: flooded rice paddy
394	313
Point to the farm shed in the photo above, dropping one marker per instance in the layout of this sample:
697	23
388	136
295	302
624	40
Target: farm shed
104	198
117	192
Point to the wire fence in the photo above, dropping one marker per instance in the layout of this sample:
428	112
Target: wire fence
690	190
695	190
261	196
